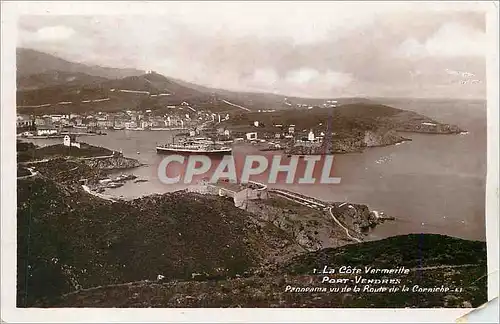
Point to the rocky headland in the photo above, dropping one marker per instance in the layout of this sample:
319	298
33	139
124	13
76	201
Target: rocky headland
349	144
88	164
355	127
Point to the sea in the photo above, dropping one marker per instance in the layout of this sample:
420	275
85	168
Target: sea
432	184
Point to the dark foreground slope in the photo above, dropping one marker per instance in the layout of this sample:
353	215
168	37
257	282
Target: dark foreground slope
412	251
286	287
76	250
68	240
185	250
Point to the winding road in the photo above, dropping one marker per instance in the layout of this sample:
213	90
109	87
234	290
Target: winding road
33	173
235	105
345	228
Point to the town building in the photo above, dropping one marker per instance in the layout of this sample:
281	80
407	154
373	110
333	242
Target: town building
70	140
46	130
251	136
24	121
240	193
310	136
103	122
56	118
39	121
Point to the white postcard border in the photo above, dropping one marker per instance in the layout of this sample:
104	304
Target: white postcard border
9	313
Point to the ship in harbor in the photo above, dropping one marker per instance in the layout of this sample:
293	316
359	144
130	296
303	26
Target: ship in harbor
195	146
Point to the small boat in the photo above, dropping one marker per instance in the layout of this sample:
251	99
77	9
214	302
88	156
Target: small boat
114	185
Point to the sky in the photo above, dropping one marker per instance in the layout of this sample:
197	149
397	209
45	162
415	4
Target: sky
316	49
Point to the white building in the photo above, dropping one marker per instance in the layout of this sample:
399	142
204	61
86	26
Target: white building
251	136
47	130
70	140
310	136
56	118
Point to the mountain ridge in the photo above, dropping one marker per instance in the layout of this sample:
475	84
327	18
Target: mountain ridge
36	70
30	61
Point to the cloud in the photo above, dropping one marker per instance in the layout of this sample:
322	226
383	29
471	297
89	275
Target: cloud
337	79
451	40
305	81
302	76
316	50
299	23
48	36
54	33
312	77
264	78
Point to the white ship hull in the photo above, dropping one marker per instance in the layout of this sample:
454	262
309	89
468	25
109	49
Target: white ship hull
167	128
187	150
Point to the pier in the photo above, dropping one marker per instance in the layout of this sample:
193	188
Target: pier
299	198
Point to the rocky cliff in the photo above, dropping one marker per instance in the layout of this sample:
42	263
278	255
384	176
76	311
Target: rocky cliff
309	228
113	163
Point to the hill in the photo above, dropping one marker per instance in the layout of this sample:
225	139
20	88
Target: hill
76	250
31	62
54	78
44	79
147	91
344	120
70	240
268	101
191	250
435	262
412	251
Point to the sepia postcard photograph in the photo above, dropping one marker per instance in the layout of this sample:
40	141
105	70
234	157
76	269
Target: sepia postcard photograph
238	158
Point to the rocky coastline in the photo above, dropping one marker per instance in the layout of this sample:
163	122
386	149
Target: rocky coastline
355	128
348	144
113	163
89	165
411	122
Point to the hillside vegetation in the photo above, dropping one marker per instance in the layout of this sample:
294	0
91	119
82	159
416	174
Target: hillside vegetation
270	289
30	62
